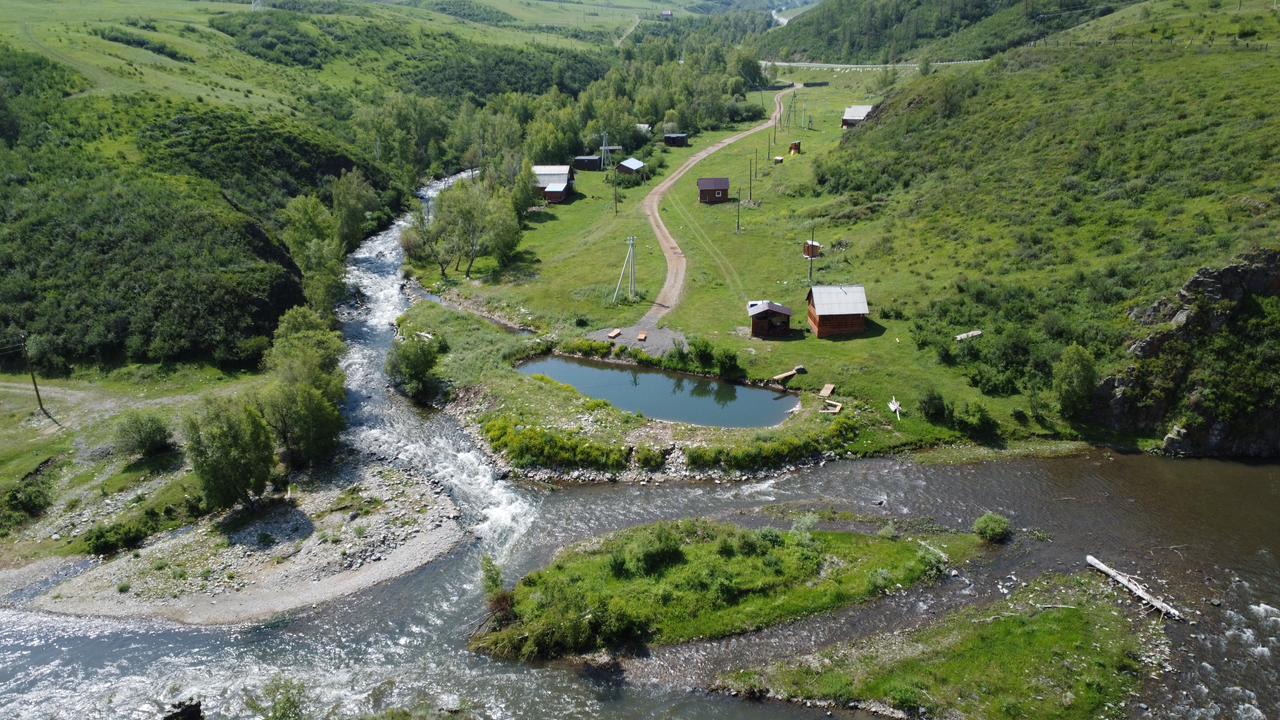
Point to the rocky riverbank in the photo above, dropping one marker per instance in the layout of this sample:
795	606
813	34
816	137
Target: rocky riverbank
316	545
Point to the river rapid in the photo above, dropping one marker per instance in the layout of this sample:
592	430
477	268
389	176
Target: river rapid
1201	532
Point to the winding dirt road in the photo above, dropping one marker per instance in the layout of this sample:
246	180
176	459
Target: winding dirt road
673	287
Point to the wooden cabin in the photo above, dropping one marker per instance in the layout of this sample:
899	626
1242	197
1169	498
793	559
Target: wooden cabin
713	190
631	166
676	139
769	319
855	114
588	163
812	249
836	310
795	147
555	182
666	15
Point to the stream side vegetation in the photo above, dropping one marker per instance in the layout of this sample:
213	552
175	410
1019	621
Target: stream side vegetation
674	582
1064	648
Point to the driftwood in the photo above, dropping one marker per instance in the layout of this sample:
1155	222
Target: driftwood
1132	586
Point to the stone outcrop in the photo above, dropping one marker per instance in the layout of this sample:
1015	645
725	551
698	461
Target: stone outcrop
1201	308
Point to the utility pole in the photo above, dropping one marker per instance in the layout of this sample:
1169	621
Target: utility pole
751	181
739	210
628	265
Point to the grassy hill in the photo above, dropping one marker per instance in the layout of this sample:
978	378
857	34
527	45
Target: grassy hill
1180	22
862	31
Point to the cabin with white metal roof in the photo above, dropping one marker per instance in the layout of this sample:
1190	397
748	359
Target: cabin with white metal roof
555	181
836	310
855	114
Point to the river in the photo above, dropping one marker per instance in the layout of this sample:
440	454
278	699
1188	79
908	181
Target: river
1199	530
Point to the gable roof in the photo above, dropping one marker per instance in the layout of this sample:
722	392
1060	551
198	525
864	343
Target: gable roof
839	299
755	307
713	183
858	112
675	135
547	175
632	164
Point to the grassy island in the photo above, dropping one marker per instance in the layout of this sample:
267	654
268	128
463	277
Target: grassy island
1064	647
674	582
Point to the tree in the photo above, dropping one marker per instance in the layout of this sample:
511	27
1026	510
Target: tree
524	193
305	352
353	200
304	422
143	433
231	452
460	219
409	366
502	231
1074	379
746	64
425	242
311	234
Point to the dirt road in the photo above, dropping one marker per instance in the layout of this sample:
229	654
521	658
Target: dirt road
673	287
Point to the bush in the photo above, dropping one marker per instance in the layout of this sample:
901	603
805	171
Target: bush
992	527
652	551
1074	379
143	433
934	408
587	348
536	447
112	538
409	366
231	452
651	459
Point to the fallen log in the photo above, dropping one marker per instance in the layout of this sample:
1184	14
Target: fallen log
1132	586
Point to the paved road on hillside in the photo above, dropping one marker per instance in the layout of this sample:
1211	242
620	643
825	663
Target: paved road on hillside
673	288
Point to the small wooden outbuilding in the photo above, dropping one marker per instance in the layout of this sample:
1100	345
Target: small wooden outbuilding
855	114
666	15
836	310
768	318
587	162
812	249
676	139
631	166
713	190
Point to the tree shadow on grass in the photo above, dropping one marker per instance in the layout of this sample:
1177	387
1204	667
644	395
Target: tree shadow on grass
521	266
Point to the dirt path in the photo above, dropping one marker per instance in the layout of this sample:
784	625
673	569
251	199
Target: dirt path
673	288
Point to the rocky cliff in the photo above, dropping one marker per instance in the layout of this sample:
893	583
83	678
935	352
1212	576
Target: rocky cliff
1207	374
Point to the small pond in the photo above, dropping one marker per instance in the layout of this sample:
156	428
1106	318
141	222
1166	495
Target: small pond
666	395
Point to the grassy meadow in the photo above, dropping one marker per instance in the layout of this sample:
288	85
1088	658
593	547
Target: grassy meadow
1063	648
696	579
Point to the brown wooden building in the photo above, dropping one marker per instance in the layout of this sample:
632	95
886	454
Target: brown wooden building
555	182
713	190
676	139
631	166
588	162
836	310
769	319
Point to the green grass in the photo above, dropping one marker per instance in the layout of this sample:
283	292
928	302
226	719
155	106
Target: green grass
1014	659
694	579
1212	22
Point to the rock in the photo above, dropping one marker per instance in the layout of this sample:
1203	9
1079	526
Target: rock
185	710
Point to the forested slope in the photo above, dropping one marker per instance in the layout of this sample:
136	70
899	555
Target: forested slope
863	31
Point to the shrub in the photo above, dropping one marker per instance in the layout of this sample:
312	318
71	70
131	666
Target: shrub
409	366
934	408
651	459
586	348
653	551
112	538
1074	378
143	433
992	527
537	447
231	452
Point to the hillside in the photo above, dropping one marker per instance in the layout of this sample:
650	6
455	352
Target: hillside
877	31
1042	196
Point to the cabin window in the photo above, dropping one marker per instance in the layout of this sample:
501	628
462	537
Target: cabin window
719	194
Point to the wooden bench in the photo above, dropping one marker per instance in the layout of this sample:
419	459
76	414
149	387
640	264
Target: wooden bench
826	390
642	337
613	334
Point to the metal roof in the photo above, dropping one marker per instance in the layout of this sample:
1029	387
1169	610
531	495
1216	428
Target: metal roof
586	157
632	164
839	299
675	135
858	112
547	175
557	187
755	307
713	183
